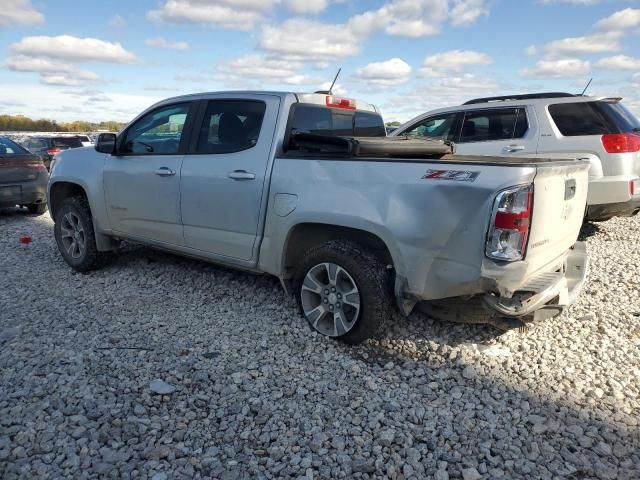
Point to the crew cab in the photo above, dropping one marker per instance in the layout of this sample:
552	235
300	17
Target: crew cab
550	125
307	187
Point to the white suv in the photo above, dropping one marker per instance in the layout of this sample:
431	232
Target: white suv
554	125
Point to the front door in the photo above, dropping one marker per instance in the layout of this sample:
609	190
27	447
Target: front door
224	175
142	181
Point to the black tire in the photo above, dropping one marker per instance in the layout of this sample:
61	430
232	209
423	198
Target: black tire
90	258
372	279
37	208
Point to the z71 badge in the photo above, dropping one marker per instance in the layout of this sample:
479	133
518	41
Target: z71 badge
455	175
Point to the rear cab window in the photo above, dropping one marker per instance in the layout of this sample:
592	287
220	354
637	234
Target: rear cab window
593	118
333	122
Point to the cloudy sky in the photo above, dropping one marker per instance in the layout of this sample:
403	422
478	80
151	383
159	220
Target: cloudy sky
68	59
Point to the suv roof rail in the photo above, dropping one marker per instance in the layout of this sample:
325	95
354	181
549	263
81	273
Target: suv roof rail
526	96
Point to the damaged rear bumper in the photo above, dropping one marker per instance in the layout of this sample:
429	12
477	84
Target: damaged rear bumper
547	293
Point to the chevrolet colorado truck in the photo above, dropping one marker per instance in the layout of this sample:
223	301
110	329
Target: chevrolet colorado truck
307	187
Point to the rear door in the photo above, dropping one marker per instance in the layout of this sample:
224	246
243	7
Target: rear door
142	182
223	176
497	131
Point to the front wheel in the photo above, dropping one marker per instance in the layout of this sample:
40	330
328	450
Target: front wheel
344	291
74	235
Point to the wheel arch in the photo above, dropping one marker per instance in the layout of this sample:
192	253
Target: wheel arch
63	189
304	236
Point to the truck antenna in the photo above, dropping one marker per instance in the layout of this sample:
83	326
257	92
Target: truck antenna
585	88
334	81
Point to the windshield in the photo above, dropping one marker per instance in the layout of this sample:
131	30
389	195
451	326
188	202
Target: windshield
7	147
66	142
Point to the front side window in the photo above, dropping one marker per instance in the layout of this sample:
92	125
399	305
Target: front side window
439	127
491	125
7	147
231	126
158	132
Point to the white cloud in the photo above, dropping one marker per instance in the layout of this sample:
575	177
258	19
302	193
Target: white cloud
239	15
310	40
160	42
466	12
596	43
19	12
444	92
453	61
531	50
319	41
55	59
117	21
394	71
559	68
74	78
619	62
307	6
269	71
66	47
620	20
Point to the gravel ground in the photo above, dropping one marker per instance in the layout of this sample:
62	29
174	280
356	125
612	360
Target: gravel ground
161	367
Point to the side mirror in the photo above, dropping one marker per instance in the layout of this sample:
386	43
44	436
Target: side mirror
106	143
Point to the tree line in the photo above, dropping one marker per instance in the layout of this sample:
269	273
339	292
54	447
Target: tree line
20	123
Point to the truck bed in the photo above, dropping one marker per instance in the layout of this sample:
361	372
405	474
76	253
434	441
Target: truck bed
400	149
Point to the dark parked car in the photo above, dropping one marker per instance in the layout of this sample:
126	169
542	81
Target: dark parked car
23	178
47	147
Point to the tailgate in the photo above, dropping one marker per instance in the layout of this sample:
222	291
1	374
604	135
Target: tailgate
559	201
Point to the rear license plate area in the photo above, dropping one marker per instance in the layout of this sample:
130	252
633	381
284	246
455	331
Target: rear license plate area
7	193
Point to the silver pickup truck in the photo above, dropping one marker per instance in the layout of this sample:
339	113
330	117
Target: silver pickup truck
308	188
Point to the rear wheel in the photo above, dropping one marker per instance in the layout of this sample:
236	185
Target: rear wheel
344	291
74	235
37	208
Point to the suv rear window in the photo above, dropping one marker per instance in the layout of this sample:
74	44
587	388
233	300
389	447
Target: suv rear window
66	142
593	118
335	122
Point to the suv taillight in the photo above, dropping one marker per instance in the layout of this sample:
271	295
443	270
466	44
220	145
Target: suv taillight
621	142
510	223
53	151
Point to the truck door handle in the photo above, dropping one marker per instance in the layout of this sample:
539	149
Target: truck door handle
513	148
165	172
242	175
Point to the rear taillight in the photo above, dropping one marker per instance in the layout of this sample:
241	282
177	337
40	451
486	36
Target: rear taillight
510	223
340	102
621	142
53	151
38	167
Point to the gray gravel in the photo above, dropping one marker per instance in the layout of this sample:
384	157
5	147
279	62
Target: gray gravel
161	367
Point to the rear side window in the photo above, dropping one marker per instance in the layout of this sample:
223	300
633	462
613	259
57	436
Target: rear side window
230	126
369	125
70	142
7	147
335	122
593	118
494	124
